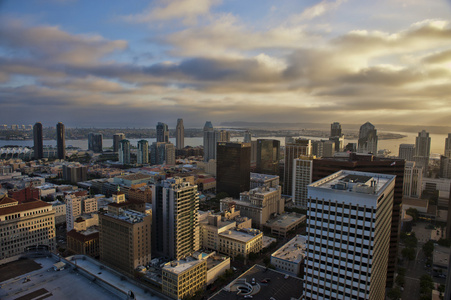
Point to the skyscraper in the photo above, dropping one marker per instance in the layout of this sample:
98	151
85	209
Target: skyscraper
335	129
162	133
95	142
413	180
175	224
180	135
117	137
406	151
38	141
268	156
323	148
162	153
61	140
143	152
293	149
369	163
211	137
302	177
422	150
124	152
233	168
367	139
448	146
247	136
348	234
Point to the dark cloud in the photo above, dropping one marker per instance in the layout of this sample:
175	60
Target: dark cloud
438	58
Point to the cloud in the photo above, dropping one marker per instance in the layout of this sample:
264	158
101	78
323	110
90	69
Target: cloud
51	44
438	58
317	10
186	10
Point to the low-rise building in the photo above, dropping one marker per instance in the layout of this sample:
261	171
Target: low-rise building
290	257
244	241
84	242
258	180
281	225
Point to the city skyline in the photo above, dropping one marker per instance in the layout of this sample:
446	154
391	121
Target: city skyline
225	61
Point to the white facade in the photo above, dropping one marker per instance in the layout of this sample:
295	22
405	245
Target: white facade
348	234
302	177
413	180
289	257
76	206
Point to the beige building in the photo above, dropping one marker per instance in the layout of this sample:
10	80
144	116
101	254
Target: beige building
183	278
84	242
281	225
125	240
413	180
259	204
302	177
258	180
290	257
76	206
245	241
25	225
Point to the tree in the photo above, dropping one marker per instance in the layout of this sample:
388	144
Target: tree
394	294
413	212
428	249
408	253
400	280
426	286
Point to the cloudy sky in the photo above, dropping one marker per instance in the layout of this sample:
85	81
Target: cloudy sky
109	63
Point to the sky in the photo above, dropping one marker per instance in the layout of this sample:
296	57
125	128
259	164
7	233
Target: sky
107	63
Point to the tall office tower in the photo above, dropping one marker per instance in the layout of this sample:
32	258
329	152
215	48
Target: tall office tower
75	172
211	137
369	163
367	139
445	167
323	148
143	152
95	142
175	229
413	180
233	168
180	135
302	177
117	137
293	149
254	149
268	156
38	141
162	133
247	137
422	150
335	129
125	239
448	145
61	140
124	152
406	151
162	153
26	225
348	234
77	206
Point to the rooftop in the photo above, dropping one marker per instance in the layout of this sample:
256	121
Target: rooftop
180	266
135	176
441	256
240	235
415	202
262	177
130	216
23	207
285	220
293	251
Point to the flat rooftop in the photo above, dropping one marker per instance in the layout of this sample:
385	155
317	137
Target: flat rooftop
293	251
280	286
285	220
238	235
180	266
354	182
415	202
130	216
66	284
262	177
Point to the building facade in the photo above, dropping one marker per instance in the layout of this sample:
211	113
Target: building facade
367	139
413	180
348	236
176	232
162	153
268	157
406	151
95	142
302	177
117	137
38	145
233	168
26	225
61	140
293	149
124	152
143	152
162	133
180	135
422	150
125	240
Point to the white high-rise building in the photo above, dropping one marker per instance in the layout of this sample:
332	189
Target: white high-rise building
367	139
406	151
302	177
293	149
175	220
348	236
413	180
211	139
76	206
422	150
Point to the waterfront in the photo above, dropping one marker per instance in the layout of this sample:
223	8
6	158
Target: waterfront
437	142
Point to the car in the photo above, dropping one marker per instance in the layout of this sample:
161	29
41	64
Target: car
253	280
